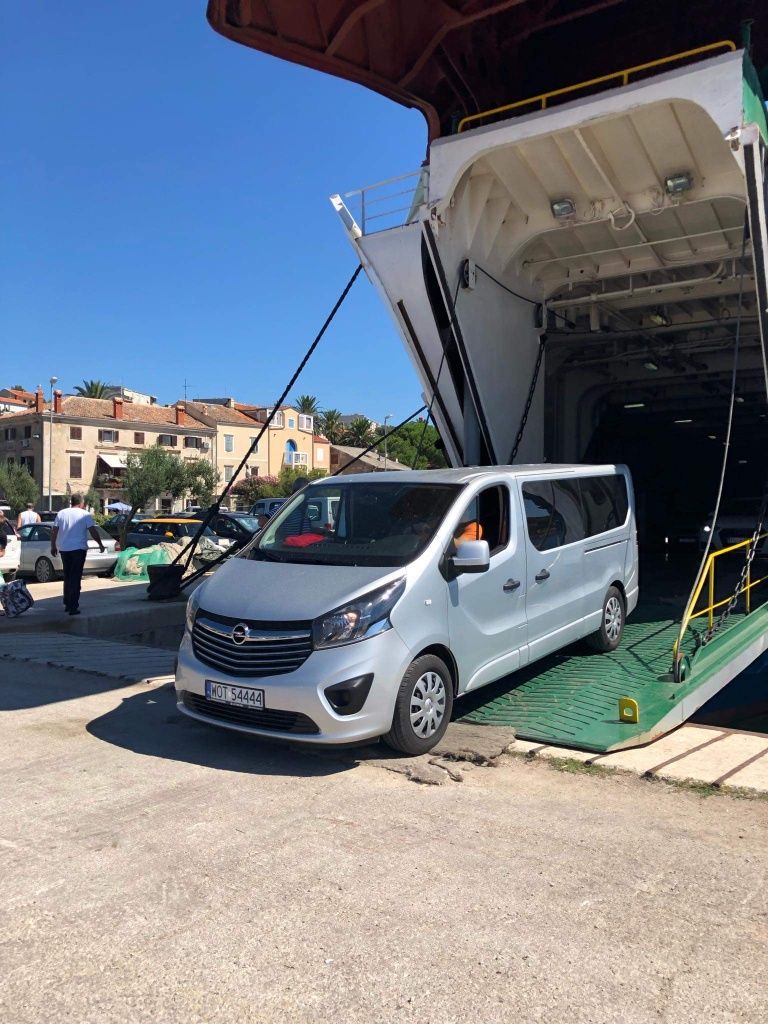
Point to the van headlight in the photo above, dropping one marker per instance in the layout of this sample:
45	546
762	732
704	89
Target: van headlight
707	529
360	619
192	605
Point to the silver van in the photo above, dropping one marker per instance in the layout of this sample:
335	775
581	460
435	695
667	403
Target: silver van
419	587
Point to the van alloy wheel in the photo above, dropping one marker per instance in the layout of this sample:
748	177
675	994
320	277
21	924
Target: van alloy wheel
608	637
613	616
427	704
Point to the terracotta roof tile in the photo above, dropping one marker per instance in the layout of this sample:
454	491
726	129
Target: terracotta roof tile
133	412
220	413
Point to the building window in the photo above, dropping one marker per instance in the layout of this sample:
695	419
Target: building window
75	467
229	442
228	471
75	433
291	423
138	437
307	423
28	461
10	460
278	421
193	442
109	436
319	455
27	431
251	441
168	440
10	433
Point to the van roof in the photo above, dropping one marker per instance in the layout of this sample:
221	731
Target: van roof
469	473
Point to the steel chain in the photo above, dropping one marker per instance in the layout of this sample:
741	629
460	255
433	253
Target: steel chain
529	399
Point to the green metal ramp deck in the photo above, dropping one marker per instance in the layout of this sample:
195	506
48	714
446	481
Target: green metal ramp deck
571	698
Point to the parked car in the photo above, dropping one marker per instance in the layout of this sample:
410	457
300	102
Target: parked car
48	516
36	558
9	563
115	525
147	532
232	527
736	522
267	506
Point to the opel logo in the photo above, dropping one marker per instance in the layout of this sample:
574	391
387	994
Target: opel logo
240	633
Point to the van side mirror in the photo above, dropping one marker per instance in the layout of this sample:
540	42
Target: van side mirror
471	556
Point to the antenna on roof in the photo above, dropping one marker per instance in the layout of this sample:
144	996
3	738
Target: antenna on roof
187	384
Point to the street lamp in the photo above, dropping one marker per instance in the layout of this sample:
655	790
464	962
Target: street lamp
387	417
50	446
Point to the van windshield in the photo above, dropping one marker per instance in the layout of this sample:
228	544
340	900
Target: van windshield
360	523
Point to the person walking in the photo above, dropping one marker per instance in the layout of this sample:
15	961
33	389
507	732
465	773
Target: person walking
70	536
28	516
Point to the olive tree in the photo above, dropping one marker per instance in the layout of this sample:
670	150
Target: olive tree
17	486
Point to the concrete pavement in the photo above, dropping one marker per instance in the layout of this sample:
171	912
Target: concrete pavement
153	869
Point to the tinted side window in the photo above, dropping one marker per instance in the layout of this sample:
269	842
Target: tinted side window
546	526
605	502
568	505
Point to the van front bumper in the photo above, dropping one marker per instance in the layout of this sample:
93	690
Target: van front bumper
295	704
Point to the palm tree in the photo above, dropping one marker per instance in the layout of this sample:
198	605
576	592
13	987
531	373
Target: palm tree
330	425
307	405
359	432
92	389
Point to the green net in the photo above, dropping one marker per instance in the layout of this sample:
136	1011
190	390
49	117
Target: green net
132	563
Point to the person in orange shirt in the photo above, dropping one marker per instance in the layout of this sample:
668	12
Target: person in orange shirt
471	530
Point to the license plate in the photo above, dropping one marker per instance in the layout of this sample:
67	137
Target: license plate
243	696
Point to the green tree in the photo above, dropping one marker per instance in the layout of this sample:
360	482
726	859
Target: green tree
17	486
359	432
308	405
150	473
92	389
330	425
201	480
411	439
249	491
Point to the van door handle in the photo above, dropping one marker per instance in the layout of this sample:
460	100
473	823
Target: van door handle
541	576
510	585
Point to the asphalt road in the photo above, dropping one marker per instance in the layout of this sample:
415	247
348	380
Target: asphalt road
155	870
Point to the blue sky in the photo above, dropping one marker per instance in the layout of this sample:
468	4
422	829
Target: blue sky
165	210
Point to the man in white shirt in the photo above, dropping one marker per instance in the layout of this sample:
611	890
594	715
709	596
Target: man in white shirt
28	516
70	536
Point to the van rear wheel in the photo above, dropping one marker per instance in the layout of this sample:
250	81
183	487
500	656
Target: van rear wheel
608	637
422	708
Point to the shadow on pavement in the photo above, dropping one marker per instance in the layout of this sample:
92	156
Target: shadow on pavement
49	686
149	723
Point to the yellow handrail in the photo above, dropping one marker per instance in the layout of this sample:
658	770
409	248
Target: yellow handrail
708	576
623	75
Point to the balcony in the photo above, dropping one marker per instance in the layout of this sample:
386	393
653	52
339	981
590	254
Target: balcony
296	459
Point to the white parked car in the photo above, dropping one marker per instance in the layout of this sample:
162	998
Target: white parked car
36	558
9	562
736	523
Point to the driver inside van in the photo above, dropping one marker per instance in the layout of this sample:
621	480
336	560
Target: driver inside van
468	530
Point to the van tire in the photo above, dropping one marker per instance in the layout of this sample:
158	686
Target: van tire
614	613
426	683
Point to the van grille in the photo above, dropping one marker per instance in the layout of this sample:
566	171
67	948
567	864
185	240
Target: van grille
275	721
266	648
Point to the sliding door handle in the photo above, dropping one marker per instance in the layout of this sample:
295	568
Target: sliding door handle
541	576
510	585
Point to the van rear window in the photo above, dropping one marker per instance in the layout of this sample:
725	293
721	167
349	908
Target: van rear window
563	511
605	502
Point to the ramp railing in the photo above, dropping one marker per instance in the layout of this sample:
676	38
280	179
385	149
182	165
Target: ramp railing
385	204
743	589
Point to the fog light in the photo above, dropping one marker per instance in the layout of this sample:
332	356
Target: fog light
562	208
676	184
348	697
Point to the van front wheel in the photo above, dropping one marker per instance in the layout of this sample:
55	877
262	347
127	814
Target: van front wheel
608	637
422	708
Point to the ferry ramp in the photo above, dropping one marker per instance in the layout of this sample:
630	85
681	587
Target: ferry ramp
575	697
